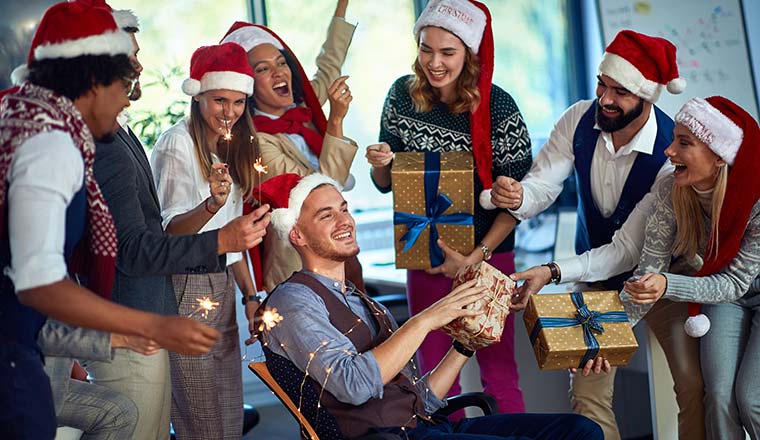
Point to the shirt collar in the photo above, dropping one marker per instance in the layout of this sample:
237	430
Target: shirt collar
333	284
642	141
258	112
123	118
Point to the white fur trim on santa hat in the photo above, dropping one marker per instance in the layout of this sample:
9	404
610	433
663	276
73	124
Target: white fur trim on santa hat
238	82
697	326
625	73
19	74
485	200
125	18
712	127
110	43
283	219
460	17
250	37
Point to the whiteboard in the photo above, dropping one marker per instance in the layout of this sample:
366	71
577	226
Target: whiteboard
711	42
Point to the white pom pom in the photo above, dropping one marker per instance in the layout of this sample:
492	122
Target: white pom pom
697	326
677	85
19	75
283	220
191	87
485	200
350	183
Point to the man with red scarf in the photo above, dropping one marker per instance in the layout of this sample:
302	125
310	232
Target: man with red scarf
55	221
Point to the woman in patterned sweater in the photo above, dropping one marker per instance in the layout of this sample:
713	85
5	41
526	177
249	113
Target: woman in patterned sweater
449	104
711	213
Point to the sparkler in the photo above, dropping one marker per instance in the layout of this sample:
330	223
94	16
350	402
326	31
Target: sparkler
259	170
269	319
204	307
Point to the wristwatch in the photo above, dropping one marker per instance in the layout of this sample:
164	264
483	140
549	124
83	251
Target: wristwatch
556	277
459	347
247	298
487	254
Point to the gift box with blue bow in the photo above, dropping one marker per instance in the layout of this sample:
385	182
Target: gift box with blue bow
568	329
433	197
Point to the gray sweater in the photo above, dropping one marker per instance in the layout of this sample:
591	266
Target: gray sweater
728	285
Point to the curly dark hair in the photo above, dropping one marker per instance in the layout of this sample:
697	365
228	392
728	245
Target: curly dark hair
73	77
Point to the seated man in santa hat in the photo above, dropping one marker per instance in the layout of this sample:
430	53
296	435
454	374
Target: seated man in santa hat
341	355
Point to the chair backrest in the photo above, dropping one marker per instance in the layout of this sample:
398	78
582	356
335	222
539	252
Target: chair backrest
260	369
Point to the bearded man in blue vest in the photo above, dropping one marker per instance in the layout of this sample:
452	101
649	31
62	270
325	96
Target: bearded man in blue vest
615	147
341	355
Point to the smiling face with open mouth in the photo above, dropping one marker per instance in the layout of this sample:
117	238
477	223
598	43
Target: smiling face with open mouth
441	55
221	110
325	227
696	164
272	86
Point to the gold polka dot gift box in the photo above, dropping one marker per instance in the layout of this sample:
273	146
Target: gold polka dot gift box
432	198
567	329
476	332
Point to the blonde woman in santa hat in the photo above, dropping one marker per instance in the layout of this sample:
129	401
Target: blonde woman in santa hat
449	104
293	134
711	212
203	171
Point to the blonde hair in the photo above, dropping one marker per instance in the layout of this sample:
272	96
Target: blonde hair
690	226
425	96
243	148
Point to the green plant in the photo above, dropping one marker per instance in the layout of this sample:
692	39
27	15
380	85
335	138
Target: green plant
165	108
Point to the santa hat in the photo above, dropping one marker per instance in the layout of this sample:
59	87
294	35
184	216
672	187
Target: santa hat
251	35
221	67
733	134
288	191
73	29
471	22
642	64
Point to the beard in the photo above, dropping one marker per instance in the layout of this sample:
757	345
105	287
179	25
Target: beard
611	125
322	250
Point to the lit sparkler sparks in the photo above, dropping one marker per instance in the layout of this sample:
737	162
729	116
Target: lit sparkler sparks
205	305
260	168
269	319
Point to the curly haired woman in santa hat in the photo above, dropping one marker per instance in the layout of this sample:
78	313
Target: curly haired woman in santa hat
203	167
450	104
711	213
293	133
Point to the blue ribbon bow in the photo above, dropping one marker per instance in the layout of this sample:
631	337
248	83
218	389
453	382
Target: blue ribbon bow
590	320
435	205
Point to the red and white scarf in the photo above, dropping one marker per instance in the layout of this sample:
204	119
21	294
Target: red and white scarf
33	110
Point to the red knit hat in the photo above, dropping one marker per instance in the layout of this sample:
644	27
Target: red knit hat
642	64
73	29
221	67
250	35
715	121
470	20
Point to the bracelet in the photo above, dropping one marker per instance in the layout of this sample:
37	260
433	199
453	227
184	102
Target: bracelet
205	205
461	349
554	270
487	254
247	298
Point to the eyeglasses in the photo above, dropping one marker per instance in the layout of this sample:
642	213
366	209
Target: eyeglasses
129	85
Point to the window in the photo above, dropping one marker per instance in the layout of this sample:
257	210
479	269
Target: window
169	33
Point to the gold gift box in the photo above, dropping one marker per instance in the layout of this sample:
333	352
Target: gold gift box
476	332
456	181
565	347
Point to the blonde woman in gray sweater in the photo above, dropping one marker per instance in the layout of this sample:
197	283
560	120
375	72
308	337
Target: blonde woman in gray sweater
711	215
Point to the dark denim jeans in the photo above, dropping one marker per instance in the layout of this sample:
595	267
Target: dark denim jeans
26	399
510	427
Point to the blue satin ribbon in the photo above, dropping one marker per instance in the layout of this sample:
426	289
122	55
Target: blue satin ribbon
590	320
435	205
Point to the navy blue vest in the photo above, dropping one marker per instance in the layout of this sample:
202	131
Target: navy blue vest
593	230
20	324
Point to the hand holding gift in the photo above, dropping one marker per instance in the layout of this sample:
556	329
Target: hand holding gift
484	328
